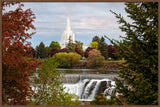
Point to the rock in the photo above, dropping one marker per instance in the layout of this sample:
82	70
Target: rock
102	87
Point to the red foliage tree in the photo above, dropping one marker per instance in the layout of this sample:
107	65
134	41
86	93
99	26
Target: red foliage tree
31	52
112	52
53	51
87	52
17	67
79	51
63	50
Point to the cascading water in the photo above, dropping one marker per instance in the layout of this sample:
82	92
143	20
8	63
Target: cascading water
87	85
88	89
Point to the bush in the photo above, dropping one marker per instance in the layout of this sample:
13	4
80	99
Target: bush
87	52
66	60
49	90
95	59
100	61
102	100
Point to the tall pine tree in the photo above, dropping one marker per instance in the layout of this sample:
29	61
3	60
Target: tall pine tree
140	50
41	50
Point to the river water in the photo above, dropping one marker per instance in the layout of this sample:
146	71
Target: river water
87	83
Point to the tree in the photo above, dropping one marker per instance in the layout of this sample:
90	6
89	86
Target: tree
41	50
31	52
77	44
87	52
95	59
112	52
96	38
140	50
53	51
54	44
79	51
69	47
66	60
72	45
94	45
103	47
62	50
48	86
17	66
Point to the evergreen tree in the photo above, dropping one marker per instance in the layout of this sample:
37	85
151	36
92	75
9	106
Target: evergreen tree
41	50
140	50
69	45
72	45
103	47
96	39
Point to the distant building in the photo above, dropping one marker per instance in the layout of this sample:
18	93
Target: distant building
67	34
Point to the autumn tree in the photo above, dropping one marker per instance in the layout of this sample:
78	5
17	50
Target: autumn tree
87	52
41	50
95	59
112	52
53	51
31	52
140	50
62	50
79	51
17	67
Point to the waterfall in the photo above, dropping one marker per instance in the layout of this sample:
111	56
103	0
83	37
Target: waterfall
87	89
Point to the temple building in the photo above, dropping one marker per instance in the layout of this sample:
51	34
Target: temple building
67	34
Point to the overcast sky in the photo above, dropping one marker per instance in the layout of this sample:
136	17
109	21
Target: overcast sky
87	20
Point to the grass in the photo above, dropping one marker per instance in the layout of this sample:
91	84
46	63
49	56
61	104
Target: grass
115	60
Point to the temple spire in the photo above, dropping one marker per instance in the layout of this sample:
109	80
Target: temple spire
68	23
67	34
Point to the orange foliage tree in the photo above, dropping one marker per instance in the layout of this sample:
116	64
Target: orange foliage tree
17	66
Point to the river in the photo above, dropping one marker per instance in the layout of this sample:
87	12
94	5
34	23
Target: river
87	83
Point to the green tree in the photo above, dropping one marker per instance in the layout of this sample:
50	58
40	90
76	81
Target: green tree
97	39
72	45
77	44
69	47
103	47
49	90
140	50
66	60
41	50
54	44
94	45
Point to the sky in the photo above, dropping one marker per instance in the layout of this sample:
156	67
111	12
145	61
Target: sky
86	19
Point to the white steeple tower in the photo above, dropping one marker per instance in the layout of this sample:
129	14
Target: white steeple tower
66	34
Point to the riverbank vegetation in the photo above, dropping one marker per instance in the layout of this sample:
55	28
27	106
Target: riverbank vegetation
47	85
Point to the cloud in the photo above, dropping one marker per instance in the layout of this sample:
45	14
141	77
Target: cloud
87	20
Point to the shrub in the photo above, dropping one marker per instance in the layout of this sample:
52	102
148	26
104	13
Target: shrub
95	59
102	100
49	90
100	61
79	51
66	60
87	52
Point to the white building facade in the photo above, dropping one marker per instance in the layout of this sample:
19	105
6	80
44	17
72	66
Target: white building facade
67	34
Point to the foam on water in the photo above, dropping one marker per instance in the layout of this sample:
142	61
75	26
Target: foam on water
87	91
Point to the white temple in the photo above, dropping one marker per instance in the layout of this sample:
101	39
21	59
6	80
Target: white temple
66	34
